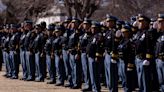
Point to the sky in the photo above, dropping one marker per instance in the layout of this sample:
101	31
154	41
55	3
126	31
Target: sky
2	6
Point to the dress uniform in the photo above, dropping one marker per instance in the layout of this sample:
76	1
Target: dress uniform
6	53
127	59
57	50
1	55
14	51
29	53
74	56
160	53
83	41
144	55
49	56
95	54
65	55
39	54
22	54
110	61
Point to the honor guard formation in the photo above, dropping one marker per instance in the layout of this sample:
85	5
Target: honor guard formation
87	54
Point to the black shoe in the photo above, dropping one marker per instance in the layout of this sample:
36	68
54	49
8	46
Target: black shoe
86	89
23	79
8	76
75	87
39	80
14	77
51	82
59	84
5	75
29	79
67	85
48	78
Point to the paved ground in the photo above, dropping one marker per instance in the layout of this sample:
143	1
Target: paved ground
8	85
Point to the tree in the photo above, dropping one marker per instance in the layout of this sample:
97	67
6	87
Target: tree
81	8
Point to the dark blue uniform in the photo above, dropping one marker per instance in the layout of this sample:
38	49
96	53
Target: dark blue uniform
83	41
65	55
127	64
50	58
59	65
6	54
111	60
14	54
95	54
146	71
160	60
1	55
74	58
29	53
39	43
22	55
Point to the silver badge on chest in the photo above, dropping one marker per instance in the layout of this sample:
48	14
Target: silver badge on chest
94	41
162	38
142	37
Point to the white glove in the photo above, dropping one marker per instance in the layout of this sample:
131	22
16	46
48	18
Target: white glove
146	62
113	61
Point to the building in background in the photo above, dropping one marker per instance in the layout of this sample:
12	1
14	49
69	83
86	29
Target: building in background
55	14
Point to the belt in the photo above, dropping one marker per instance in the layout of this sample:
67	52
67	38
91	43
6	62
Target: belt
83	51
161	57
140	56
107	50
120	54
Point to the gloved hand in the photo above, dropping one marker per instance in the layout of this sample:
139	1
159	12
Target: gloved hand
113	61
146	63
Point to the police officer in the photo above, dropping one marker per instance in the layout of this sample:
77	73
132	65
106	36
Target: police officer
1	55
110	62
126	59
83	41
160	51
65	55
39	54
57	49
29	53
14	51
49	56
95	54
22	53
74	56
144	54
6	40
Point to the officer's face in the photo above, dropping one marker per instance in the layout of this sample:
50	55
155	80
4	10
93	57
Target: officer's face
86	26
58	33
74	25
161	25
13	30
125	34
65	25
93	30
27	26
49	33
38	29
110	24
143	24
